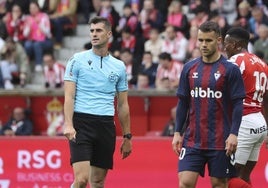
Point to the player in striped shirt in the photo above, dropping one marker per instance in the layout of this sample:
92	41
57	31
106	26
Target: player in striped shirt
253	128
211	89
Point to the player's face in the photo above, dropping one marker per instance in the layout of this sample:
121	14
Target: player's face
99	35
208	43
229	46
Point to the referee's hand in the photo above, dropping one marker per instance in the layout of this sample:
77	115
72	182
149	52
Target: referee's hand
126	148
69	132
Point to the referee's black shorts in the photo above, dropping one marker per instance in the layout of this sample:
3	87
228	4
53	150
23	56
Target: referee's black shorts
95	140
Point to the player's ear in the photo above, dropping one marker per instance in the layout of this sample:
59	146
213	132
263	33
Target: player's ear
109	34
219	40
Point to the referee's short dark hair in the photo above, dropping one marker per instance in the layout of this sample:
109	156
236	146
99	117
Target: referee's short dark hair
238	33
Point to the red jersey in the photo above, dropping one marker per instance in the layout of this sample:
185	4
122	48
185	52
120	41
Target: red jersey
254	72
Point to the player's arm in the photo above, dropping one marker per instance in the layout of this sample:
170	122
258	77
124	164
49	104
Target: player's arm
182	115
124	118
181	123
231	142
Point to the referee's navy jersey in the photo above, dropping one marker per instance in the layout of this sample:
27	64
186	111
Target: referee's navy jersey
211	88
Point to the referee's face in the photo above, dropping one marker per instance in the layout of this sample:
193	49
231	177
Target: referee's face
99	35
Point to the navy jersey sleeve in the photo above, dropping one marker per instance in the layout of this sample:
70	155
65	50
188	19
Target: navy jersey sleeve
183	89
182	115
183	93
237	95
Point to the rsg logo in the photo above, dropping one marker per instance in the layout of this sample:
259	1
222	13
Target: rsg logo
208	93
39	159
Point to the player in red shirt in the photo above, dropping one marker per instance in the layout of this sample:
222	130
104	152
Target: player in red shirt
253	128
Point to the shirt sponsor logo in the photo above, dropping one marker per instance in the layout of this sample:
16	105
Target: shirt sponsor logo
205	93
258	130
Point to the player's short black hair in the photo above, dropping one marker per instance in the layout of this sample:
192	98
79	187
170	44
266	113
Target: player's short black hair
238	33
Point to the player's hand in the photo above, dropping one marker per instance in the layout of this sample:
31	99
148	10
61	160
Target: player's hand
126	148
177	143
231	144
69	132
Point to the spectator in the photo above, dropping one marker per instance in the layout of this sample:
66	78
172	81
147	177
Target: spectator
258	17
154	44
128	19
15	23
131	66
3	12
53	71
126	41
18	57
177	18
193	4
63	12
24	4
261	45
6	75
196	53
96	5
168	72
38	35
175	44
135	5
85	7
228	9
192	42
149	68
18	124
169	128
215	16
243	15
142	81
150	17
201	15
108	11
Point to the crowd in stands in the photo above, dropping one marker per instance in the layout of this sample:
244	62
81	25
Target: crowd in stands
30	29
154	38
19	123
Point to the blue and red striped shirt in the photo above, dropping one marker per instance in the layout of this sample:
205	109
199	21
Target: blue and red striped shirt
211	89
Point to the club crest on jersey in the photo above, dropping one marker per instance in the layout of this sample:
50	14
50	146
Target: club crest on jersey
195	75
113	77
217	75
